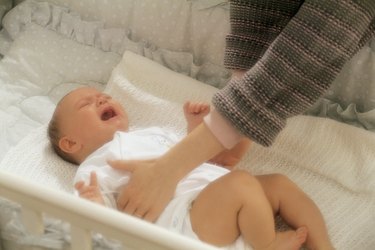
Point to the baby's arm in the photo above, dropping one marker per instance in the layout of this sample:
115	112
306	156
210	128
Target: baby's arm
92	191
231	157
194	113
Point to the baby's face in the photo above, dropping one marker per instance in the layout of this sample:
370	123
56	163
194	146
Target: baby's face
91	117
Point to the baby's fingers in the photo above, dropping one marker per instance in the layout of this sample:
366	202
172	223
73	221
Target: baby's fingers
186	106
204	107
93	179
199	107
89	193
79	185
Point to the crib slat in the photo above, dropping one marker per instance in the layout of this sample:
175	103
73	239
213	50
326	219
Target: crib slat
81	238
132	232
33	220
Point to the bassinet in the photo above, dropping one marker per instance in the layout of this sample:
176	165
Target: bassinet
51	47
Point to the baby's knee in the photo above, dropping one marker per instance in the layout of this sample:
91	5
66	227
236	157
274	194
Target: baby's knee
241	180
282	182
280	178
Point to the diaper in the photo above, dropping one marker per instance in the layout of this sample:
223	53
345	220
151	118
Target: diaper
176	217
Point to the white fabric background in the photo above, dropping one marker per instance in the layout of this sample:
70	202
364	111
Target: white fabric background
331	161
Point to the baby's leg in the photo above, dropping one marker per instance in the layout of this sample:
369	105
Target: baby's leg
296	208
234	205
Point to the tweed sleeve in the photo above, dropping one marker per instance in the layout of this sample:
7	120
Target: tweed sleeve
297	68
254	25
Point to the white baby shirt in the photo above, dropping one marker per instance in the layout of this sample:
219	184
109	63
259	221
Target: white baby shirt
145	144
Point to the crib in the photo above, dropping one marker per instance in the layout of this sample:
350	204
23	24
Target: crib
83	217
152	55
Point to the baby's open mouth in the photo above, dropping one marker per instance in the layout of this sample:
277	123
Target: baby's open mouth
107	114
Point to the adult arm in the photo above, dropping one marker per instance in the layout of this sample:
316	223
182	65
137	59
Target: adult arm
295	67
194	114
290	75
153	182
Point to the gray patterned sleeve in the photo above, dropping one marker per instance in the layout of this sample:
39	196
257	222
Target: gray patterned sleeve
290	69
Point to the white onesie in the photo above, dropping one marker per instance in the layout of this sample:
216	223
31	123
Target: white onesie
146	144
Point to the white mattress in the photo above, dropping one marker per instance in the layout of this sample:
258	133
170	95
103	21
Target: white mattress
34	74
333	162
46	46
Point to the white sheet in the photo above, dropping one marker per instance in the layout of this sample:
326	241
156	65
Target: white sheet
48	52
332	162
35	73
47	45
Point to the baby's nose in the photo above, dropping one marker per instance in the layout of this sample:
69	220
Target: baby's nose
101	101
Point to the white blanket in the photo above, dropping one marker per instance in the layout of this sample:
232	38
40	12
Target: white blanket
333	162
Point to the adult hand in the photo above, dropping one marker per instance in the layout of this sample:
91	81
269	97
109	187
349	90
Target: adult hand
149	189
153	183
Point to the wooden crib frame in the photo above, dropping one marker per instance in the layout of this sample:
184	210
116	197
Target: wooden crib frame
85	217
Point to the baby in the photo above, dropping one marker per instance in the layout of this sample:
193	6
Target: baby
212	203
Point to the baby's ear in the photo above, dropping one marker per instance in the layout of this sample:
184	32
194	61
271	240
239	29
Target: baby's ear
68	145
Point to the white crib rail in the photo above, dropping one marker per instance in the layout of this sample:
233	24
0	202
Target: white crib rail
84	217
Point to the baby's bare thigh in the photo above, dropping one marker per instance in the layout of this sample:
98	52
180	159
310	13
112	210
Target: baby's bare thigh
214	213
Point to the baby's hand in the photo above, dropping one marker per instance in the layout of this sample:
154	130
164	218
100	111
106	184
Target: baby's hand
194	113
90	192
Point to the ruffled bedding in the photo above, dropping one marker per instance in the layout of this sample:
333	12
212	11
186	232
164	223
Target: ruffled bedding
70	25
335	166
351	98
47	46
49	49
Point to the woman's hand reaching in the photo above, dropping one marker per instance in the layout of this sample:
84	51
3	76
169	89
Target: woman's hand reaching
153	183
149	189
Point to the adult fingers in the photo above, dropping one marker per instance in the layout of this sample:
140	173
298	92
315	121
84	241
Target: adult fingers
145	210
152	215
131	203
129	165
141	211
122	200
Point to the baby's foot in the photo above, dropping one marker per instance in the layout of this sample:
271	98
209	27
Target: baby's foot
289	240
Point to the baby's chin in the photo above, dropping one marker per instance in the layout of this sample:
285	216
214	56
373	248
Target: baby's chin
122	126
125	129
91	146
